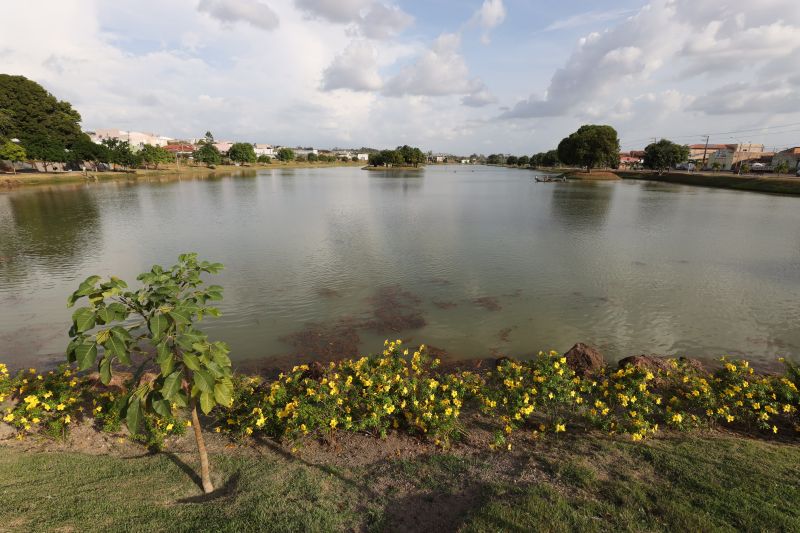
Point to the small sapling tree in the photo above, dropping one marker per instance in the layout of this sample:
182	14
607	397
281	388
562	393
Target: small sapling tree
154	327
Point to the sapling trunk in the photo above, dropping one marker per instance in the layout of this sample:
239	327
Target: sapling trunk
205	477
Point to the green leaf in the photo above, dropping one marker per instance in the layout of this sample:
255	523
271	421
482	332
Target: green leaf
117	347
162	407
207	402
191	361
84	319
181	316
86	355
189	337
204	381
180	399
158	325
223	393
84	289
105	370
164	358
133	416
172	385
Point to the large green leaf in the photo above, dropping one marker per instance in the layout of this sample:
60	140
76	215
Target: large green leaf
162	406
86	355
188	338
172	385
105	370
191	361
204	381
207	402
223	393
116	346
84	319
158	325
164	357
133	416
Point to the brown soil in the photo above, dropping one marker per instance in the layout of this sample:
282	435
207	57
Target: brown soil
444	304
599	175
490	303
395	310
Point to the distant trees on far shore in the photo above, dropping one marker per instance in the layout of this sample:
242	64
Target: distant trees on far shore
542	159
402	156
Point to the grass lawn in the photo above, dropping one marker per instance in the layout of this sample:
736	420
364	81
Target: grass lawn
582	482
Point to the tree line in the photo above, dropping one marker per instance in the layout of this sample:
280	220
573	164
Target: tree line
402	156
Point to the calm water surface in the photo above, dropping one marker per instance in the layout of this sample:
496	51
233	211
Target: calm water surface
473	260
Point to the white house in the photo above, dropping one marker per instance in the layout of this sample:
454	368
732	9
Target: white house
136	139
264	149
363	157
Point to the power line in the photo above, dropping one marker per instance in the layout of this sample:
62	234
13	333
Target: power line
727	132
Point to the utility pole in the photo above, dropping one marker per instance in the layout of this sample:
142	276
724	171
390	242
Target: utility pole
705	152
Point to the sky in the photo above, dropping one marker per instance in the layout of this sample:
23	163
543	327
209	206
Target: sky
457	76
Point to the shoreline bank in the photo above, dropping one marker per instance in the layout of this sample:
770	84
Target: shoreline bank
26	179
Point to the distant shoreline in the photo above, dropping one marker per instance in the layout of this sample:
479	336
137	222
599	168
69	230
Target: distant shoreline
27	179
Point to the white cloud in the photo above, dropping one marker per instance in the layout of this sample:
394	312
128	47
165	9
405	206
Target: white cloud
383	21
491	14
355	69
439	71
341	11
676	39
479	97
588	18
252	12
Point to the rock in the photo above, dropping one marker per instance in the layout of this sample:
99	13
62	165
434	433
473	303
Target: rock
654	363
584	360
6	431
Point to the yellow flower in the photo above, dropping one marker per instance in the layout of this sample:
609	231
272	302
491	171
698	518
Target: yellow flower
35	420
67	419
169	427
333	423
248	431
774	429
561	428
60	407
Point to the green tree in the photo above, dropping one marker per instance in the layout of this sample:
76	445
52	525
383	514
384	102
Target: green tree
121	154
242	153
512	160
13	152
154	155
264	159
157	324
550	159
286	154
312	157
780	168
207	154
524	161
495	159
664	154
86	150
45	126
591	146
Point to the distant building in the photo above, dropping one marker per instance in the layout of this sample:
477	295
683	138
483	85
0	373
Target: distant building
699	152
180	148
791	157
305	151
223	146
629	161
362	157
264	149
136	139
734	154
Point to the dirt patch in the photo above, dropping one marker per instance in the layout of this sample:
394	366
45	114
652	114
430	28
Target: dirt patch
597	175
319	342
444	304
394	310
490	303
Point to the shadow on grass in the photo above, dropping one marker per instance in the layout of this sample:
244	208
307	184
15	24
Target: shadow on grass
228	489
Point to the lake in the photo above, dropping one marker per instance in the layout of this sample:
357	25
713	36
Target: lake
476	261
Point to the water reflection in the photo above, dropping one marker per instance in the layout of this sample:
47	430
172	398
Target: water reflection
48	227
583	206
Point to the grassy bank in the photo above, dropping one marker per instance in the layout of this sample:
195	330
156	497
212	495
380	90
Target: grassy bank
774	185
696	483
165	171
